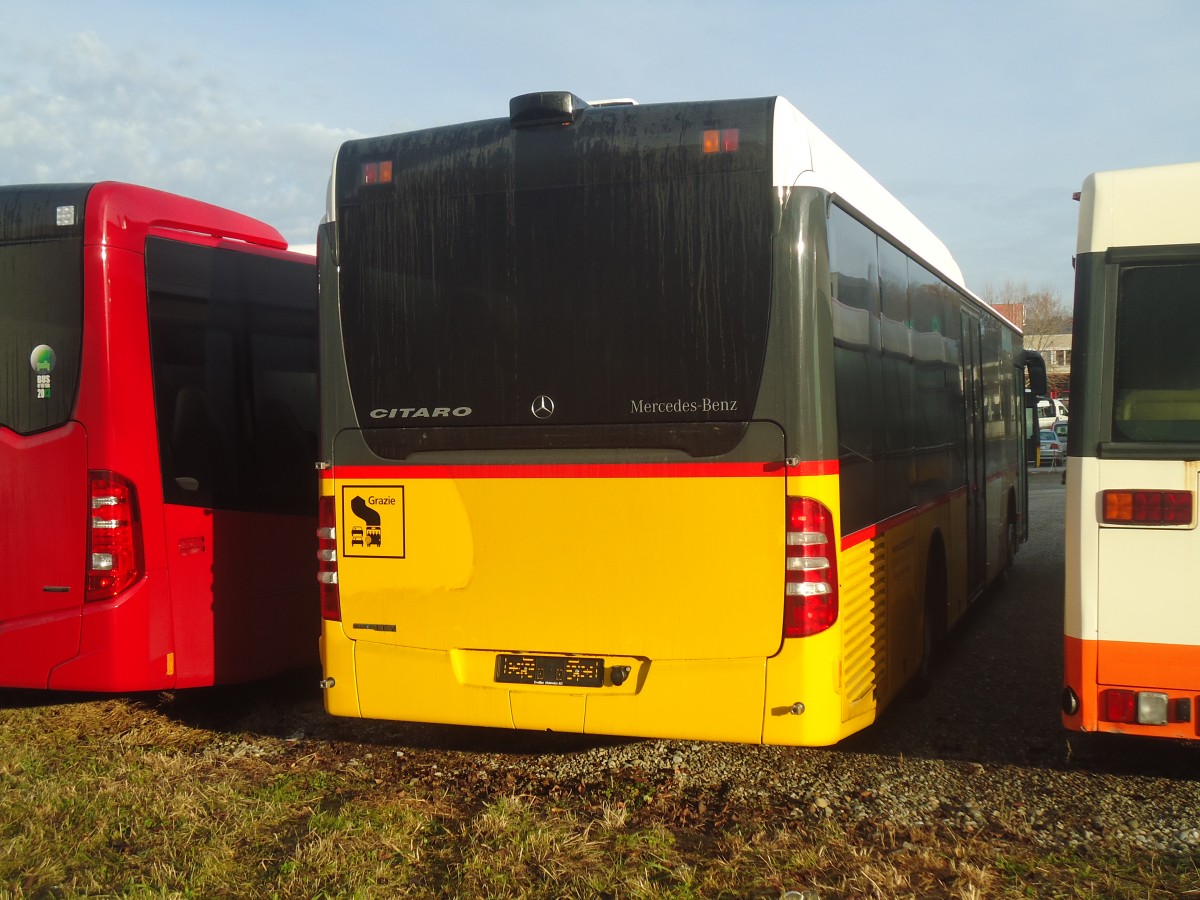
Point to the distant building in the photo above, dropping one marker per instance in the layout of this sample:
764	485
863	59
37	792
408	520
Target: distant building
1056	351
1014	312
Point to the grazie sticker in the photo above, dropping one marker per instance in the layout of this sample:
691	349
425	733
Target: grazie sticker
373	521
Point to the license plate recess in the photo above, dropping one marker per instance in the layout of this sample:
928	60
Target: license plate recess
565	671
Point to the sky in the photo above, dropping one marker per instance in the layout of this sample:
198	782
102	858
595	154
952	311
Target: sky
981	116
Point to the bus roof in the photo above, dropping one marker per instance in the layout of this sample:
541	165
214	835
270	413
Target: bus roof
120	215
806	156
1143	207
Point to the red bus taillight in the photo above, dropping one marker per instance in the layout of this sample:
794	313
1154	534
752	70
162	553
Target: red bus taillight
114	536
331	602
1126	507
1118	706
810	579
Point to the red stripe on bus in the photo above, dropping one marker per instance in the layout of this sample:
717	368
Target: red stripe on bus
873	531
816	467
1006	471
586	470
569	470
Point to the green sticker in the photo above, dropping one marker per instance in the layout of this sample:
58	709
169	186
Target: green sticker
42	359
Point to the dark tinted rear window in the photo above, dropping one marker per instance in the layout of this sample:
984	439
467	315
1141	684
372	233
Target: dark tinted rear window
233	340
1156	395
610	267
41	304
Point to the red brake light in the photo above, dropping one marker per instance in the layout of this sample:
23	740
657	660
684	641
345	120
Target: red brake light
1119	706
1127	507
331	601
114	536
810	577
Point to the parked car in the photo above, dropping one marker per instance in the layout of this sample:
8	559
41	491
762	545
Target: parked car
1052	450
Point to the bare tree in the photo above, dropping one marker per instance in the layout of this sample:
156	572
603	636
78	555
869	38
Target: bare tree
1046	314
1044	317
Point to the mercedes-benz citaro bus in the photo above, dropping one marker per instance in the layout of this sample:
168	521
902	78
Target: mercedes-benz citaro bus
158	416
1132	622
658	420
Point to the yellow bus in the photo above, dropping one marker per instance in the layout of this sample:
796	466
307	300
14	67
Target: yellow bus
652	420
1132	628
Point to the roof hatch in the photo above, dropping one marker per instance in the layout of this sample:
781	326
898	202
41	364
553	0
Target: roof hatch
547	108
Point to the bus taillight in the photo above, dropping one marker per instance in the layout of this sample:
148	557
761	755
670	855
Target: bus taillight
720	140
1139	707
378	172
1126	507
114	536
810	579
331	603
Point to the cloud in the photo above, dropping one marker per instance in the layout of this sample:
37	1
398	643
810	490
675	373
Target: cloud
77	110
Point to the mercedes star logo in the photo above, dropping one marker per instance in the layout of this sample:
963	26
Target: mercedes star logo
543	407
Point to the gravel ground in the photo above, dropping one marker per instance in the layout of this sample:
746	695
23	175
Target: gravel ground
983	753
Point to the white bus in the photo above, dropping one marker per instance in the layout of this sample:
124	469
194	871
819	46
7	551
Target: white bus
1132	620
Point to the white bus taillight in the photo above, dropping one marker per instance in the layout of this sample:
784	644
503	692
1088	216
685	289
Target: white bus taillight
331	603
810	578
114	536
1127	507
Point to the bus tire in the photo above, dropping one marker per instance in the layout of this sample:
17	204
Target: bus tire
1012	542
933	623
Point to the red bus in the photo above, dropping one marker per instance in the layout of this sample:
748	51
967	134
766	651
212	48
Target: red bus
157	438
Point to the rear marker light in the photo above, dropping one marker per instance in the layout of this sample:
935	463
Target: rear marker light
376	172
327	576
1128	507
114	536
720	140
810	569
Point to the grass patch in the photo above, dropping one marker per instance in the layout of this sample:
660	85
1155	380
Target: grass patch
128	798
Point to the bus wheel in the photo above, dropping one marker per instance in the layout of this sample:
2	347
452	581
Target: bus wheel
1012	542
933	620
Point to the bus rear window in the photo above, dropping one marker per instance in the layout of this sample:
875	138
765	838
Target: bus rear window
1156	391
41	332
611	273
233	344
615	305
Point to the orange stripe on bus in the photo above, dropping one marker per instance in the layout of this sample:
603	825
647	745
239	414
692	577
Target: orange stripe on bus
1135	664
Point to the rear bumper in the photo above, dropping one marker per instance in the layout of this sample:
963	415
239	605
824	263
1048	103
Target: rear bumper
1083	693
779	700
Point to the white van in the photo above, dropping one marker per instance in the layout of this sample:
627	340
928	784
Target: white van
1049	411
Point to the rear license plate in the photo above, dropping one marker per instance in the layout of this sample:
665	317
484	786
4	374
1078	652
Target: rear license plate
572	671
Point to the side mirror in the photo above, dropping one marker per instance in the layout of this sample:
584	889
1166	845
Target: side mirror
1035	368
